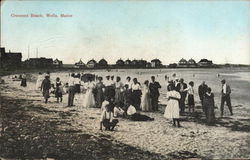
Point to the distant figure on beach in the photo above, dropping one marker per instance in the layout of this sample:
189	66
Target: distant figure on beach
225	97
136	94
45	87
146	104
181	89
201	91
173	78
100	94
218	75
107	118
190	92
172	110
209	106
39	80
89	100
58	90
71	90
24	80
154	93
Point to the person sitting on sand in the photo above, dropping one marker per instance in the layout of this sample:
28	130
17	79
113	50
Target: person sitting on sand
118	110
172	109
107	118
134	116
45	87
209	106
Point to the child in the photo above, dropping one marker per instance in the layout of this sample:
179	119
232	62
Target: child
190	91
172	110
58	90
107	118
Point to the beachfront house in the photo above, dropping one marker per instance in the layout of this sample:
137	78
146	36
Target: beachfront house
10	59
155	63
103	63
91	63
120	63
183	63
191	63
57	63
41	62
205	63
79	64
128	62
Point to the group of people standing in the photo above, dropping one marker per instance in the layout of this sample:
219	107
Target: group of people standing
126	98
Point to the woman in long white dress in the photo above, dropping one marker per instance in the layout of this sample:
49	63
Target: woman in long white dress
145	98
172	110
39	81
89	100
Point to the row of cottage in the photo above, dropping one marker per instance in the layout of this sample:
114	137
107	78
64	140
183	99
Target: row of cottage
191	63
14	60
155	63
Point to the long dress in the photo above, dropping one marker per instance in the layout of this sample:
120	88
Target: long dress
39	81
172	110
118	92
208	103
46	85
145	99
99	94
89	100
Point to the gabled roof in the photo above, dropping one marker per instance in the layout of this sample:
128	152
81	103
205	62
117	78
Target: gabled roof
156	60
92	61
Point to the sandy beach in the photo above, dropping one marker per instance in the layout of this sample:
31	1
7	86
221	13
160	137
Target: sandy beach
76	132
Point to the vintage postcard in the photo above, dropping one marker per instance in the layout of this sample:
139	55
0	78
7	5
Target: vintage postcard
125	79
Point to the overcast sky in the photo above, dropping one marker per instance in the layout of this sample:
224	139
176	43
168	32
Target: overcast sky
134	29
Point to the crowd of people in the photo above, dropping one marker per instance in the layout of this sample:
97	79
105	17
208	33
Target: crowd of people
116	98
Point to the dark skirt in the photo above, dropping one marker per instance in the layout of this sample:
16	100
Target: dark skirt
140	117
190	99
23	83
58	93
77	88
99	98
46	93
136	99
110	92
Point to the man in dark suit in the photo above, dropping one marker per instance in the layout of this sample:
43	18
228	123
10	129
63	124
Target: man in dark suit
225	97
181	86
154	93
